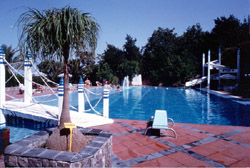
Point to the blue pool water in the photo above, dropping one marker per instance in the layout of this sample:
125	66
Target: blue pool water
183	105
21	128
140	103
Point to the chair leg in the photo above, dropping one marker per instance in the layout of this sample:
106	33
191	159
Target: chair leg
175	135
172	124
147	130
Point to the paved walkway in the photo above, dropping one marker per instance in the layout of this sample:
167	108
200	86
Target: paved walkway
197	145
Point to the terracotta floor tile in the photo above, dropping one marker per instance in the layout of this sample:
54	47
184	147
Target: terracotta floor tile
144	140
212	128
121	138
181	140
193	133
131	144
223	145
205	149
240	164
135	136
238	152
181	157
242	137
117	147
165	162
114	128
134	123
223	159
143	150
145	164
127	154
197	163
157	146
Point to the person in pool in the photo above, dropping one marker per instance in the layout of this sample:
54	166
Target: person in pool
118	88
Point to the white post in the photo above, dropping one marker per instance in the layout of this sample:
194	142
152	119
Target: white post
203	64
238	65
106	103
2	88
27	78
208	71
219	69
81	102
60	97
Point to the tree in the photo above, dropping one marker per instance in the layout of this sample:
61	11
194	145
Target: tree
113	56
132	52
226	31
104	72
122	62
131	65
76	69
51	68
53	34
192	45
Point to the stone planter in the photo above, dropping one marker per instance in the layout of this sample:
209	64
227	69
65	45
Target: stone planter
5	139
28	152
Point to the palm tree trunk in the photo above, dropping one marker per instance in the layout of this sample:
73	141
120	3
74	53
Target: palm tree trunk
59	139
65	116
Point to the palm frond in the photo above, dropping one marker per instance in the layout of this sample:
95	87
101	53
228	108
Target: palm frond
47	32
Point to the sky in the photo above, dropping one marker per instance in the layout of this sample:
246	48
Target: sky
137	18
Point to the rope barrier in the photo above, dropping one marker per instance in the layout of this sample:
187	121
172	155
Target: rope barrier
98	101
92	106
15	76
17	63
28	79
93	92
33	99
9	79
10	96
43	75
11	75
45	78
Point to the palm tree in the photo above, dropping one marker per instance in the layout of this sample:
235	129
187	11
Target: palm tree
54	34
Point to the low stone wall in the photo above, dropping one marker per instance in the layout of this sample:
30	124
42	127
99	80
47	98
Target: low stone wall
26	153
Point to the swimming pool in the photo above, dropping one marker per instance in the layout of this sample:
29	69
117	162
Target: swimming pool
183	105
21	128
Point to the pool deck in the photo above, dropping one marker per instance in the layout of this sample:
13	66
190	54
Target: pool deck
197	145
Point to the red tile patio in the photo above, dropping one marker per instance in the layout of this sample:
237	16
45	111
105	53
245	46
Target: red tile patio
197	145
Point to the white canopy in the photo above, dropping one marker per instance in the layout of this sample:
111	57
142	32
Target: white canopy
62	75
38	74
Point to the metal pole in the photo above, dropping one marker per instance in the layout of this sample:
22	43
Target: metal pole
203	64
208	71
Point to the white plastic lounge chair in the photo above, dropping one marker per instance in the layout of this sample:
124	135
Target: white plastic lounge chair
161	122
